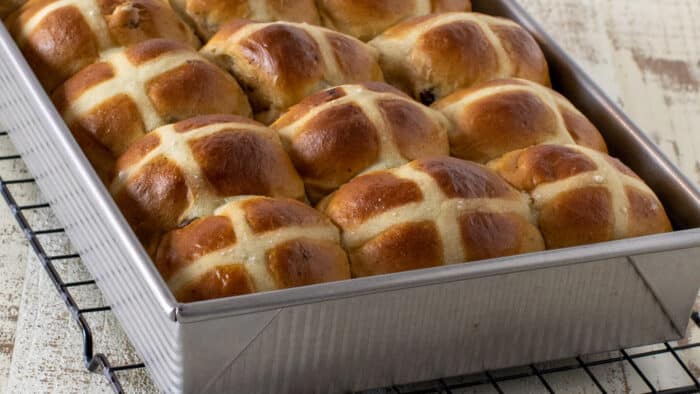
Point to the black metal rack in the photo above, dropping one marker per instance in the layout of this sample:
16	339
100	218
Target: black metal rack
495	380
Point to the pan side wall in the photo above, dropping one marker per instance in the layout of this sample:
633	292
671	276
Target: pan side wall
458	328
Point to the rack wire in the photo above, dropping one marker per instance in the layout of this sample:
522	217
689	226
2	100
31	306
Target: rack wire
489	381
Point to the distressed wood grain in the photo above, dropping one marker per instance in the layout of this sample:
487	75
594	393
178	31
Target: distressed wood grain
644	53
13	256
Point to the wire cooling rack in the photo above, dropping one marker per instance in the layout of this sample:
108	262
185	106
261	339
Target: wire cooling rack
539	378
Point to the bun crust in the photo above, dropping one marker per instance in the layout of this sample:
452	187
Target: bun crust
583	196
180	172
207	16
59	38
8	6
500	116
432	56
430	212
281	63
110	104
251	244
365	19
339	133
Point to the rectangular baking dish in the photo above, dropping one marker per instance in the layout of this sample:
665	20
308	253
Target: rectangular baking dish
385	330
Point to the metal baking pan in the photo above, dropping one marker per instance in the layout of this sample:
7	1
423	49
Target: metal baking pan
384	330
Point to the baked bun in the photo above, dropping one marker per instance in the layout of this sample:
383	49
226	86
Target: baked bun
583	196
60	37
433	56
497	117
251	244
207	16
366	19
110	104
430	212
280	63
183	171
338	133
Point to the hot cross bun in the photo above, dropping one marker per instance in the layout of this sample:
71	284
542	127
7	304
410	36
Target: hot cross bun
338	133
497	117
280	63
366	19
183	171
428	213
582	196
433	56
207	16
249	245
60	37
110	104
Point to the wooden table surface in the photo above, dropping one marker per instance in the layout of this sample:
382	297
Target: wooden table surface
644	53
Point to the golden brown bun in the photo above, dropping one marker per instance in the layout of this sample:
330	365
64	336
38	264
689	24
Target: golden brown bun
497	117
583	196
365	19
207	16
433	56
60	37
334	135
428	213
110	104
251	244
183	171
280	63
8	6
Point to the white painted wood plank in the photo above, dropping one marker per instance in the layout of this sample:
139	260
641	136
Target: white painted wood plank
13	256
47	343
